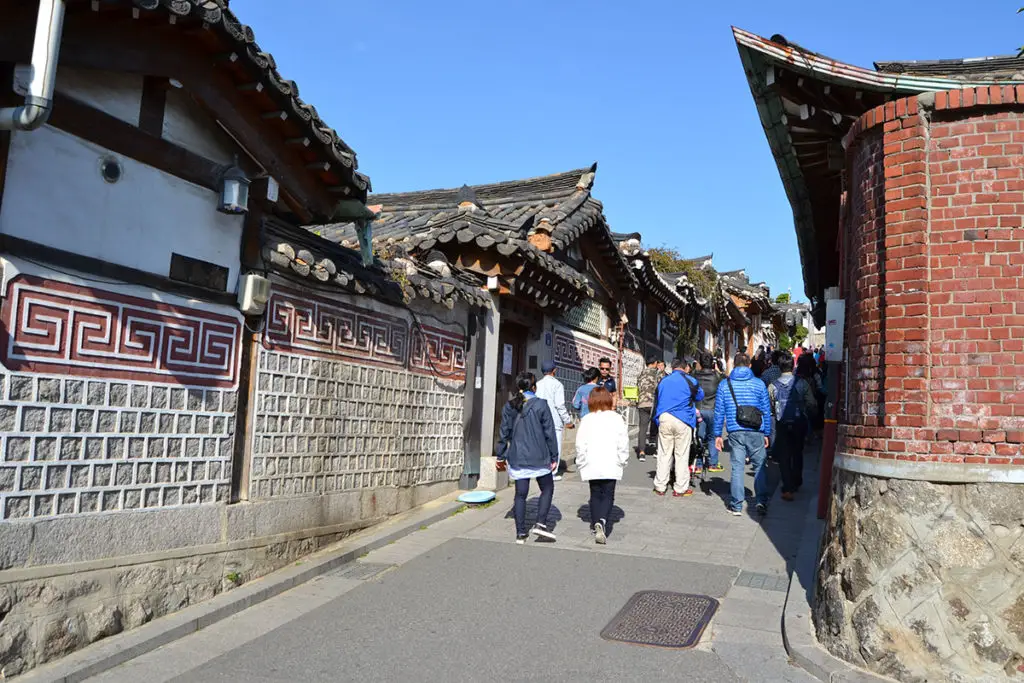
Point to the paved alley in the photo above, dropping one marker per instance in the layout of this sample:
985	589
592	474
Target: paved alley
460	601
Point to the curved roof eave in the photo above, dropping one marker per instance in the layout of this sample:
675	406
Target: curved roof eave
757	54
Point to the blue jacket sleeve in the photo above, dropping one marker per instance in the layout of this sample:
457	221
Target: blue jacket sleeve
577	401
765	406
719	410
508	415
547	423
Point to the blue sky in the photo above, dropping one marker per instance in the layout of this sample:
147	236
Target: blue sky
440	93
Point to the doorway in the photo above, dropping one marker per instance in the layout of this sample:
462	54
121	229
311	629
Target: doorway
512	339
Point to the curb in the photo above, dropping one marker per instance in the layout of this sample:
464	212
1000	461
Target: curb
116	650
797	626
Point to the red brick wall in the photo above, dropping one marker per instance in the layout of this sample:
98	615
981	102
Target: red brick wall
944	265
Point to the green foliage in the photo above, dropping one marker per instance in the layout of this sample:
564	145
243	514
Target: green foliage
785	342
800	334
782	298
669	260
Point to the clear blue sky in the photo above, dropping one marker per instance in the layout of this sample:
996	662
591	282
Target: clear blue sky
440	93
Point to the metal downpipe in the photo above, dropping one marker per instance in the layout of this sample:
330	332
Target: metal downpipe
45	50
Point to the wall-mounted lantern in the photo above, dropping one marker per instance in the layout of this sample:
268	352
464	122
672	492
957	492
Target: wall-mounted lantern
234	190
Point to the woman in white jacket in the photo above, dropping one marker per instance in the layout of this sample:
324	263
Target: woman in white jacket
602	451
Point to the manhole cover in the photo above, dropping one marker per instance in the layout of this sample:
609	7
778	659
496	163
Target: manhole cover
662	619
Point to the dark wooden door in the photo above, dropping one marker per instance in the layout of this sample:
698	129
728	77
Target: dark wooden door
512	340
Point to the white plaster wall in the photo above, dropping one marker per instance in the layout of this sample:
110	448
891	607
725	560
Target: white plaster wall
117	94
188	126
54	194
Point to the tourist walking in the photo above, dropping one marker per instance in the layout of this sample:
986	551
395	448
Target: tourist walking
552	391
604	366
528	449
647	387
743	407
793	404
708	377
602	451
582	397
772	372
675	412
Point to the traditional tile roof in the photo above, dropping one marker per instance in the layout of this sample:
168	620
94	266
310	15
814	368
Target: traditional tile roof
807	103
296	252
322	142
500	217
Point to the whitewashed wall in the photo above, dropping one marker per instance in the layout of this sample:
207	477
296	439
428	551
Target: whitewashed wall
54	194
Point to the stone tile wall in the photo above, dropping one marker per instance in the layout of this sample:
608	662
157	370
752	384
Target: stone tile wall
91	445
333	425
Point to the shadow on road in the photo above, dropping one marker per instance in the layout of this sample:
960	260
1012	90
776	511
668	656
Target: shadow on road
554	514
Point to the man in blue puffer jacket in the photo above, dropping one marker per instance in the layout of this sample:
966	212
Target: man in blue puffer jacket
744	442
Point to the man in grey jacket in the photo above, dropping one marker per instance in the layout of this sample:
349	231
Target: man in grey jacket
552	391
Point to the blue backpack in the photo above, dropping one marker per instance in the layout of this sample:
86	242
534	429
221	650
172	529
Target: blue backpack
789	401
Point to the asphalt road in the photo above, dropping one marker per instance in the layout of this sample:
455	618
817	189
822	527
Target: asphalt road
538	622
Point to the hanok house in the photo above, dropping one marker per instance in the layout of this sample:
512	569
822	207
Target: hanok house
541	246
664	303
907	187
156	396
764	321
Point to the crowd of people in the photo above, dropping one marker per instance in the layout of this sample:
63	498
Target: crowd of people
766	404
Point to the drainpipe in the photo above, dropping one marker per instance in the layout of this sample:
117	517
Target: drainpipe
39	100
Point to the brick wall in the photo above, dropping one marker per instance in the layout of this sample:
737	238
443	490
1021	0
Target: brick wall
950	275
350	397
111	402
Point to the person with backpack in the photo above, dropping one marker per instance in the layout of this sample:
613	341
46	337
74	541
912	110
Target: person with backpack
709	377
794	404
675	412
528	449
742	405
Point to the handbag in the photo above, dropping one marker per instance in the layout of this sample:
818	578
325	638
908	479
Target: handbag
748	417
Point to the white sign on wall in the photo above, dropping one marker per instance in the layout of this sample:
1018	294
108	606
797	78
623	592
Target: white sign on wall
506	360
835	323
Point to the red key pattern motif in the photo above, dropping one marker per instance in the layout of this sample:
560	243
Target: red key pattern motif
54	327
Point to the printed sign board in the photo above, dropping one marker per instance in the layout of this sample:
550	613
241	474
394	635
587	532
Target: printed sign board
506	360
835	323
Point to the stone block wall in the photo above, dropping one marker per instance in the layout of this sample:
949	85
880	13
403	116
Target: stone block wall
924	581
355	397
110	401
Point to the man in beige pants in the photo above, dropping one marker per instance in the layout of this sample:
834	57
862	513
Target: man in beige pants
675	411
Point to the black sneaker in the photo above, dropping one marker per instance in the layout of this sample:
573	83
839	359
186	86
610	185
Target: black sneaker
541	531
642	458
520	540
762	509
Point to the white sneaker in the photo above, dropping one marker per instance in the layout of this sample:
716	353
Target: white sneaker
558	477
599	536
542	531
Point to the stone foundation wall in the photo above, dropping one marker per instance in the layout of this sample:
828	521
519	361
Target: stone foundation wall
923	581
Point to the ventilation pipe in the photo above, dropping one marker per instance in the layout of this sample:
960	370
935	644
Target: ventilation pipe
45	49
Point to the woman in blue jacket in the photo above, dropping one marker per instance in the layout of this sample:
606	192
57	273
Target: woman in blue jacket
528	446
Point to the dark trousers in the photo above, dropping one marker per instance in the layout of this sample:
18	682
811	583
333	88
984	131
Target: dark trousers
789	452
642	435
547	489
602	497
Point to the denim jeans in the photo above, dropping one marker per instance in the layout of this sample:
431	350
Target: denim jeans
745	445
547	489
602	497
704	433
645	415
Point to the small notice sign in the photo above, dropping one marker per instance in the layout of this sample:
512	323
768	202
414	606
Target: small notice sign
506	360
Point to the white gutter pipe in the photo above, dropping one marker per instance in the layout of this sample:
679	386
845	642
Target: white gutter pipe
45	50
